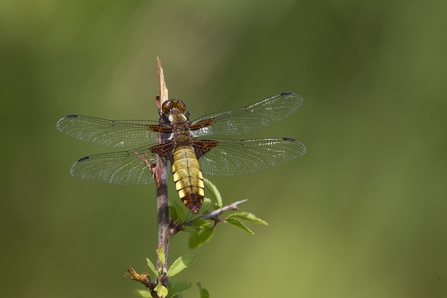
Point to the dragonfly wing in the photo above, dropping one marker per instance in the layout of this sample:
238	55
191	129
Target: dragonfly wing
125	167
250	118
108	133
240	157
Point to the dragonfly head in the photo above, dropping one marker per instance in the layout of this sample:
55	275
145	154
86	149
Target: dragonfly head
174	109
173	105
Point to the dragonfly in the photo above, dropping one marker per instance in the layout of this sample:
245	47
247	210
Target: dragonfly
189	146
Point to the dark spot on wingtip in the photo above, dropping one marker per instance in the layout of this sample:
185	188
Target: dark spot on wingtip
71	116
286	93
83	158
289	139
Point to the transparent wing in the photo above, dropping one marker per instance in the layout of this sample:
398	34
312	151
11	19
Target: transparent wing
124	167
250	118
240	157
108	133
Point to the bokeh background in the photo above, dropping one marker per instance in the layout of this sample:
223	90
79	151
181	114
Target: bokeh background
362	214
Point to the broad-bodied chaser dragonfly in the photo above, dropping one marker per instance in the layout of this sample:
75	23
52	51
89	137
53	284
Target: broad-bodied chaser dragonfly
189	146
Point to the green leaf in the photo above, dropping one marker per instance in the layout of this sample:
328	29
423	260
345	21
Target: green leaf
173	213
238	224
189	216
178	287
206	204
215	194
203	236
161	290
247	216
143	293
179	210
203	292
161	256
180	264
190	229
152	267
196	225
200	223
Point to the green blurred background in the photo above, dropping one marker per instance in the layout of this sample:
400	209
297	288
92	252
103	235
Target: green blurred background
361	214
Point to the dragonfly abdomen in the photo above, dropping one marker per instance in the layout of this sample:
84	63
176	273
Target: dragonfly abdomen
188	178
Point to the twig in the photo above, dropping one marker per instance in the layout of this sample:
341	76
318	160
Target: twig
162	86
214	215
217	212
161	180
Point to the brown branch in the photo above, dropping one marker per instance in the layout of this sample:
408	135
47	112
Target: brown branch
160	172
161	180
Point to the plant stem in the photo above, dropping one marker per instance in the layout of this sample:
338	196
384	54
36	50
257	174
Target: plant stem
161	180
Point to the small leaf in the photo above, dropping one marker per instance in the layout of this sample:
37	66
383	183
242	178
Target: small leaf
161	290
205	205
178	287
248	216
152	267
180	264
143	293
190	229
215	194
179	210
203	292
161	256
238	224
173	213
194	228
200	223
202	237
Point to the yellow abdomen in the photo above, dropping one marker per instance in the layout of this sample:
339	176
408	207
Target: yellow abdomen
188	178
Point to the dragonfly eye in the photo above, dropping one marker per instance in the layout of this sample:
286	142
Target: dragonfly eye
173	104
